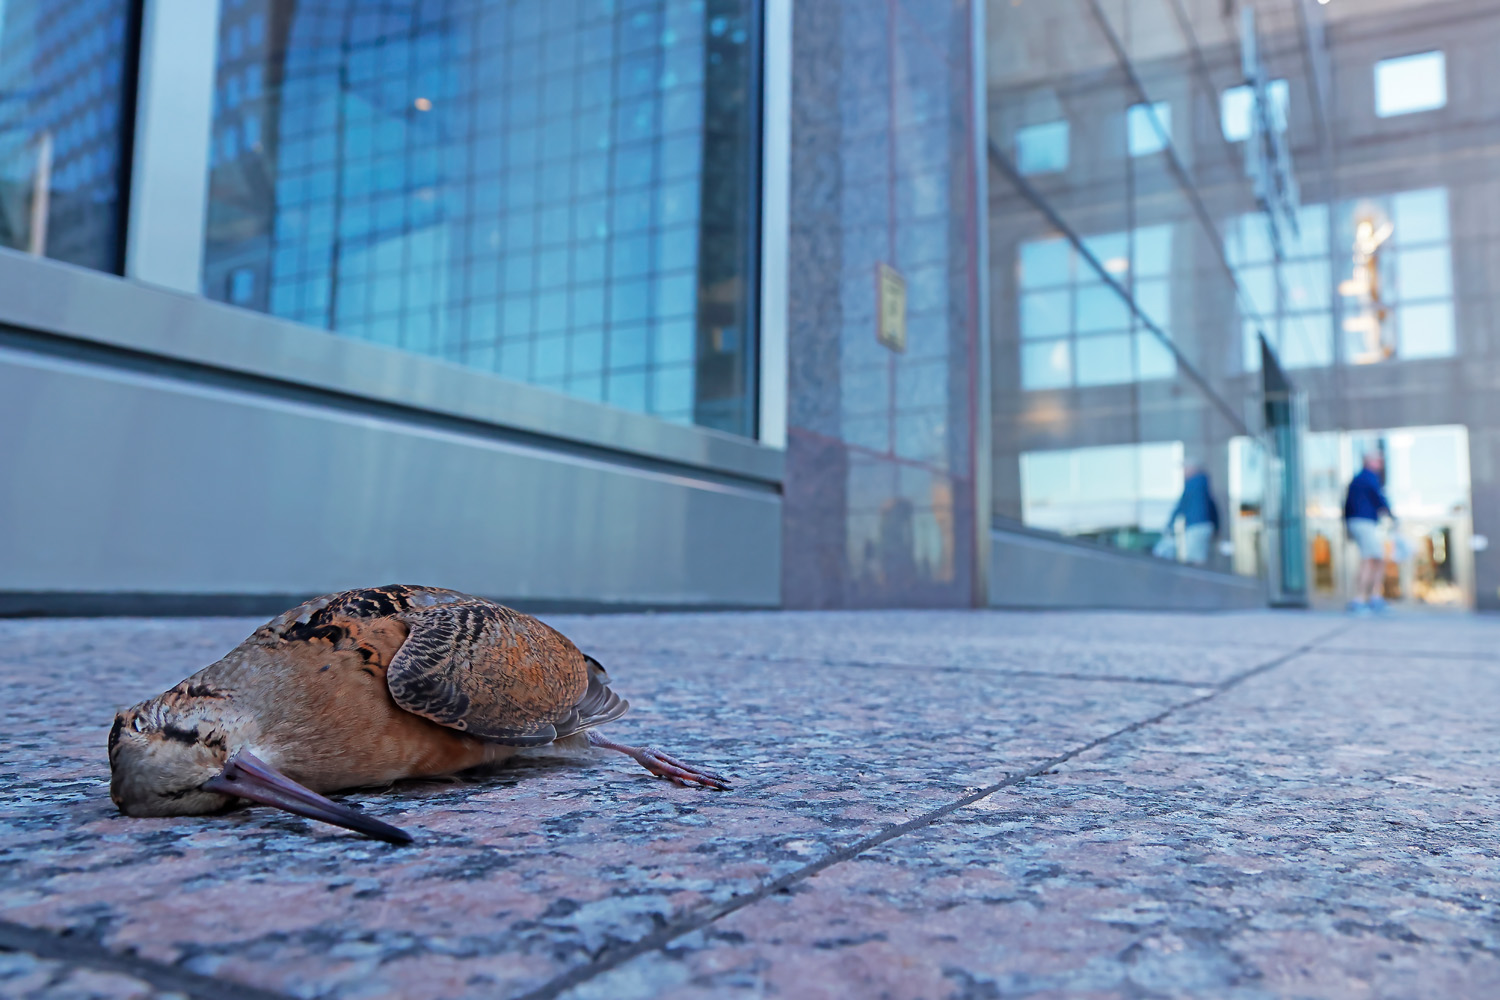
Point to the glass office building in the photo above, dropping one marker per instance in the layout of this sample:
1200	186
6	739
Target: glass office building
460	290
744	302
560	192
1219	185
1122	279
66	90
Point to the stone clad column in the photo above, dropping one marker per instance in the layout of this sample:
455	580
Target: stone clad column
881	432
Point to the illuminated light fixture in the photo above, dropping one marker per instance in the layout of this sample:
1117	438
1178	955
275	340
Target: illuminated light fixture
422	104
1323	2
1117	265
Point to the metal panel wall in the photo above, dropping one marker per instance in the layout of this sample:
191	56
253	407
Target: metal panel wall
1040	571
147	481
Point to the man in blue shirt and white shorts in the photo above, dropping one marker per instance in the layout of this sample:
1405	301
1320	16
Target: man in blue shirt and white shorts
1363	505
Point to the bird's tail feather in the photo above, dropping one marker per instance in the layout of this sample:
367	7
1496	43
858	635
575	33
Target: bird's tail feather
598	705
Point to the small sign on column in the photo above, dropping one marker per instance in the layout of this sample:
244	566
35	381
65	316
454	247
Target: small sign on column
891	314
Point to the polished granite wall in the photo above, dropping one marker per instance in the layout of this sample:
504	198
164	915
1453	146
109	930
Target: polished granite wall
879	495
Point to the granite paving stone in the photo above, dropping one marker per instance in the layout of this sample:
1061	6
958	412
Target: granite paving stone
1167	647
1326	829
927	804
1431	636
24	976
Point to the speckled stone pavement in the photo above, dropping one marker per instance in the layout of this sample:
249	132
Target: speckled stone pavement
928	804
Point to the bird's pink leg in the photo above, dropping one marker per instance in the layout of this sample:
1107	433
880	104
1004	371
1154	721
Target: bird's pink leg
663	764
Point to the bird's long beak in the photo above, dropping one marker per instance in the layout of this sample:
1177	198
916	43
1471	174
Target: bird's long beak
248	777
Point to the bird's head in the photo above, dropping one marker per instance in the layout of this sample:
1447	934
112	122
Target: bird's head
184	756
162	754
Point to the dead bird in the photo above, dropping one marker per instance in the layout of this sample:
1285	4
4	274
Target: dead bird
363	688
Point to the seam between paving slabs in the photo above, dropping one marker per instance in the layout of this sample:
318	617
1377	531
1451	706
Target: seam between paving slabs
711	914
931	668
77	951
1409	654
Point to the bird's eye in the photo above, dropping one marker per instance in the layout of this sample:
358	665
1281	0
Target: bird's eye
136	725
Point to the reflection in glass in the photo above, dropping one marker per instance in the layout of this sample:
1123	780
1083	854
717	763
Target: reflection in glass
1299	320
1237	104
1308	284
1410	84
1108	345
1148	128
1045	314
1153	251
1421	216
1427	480
63	118
1100	308
1104	360
1153	358
1120	494
1424	274
1046	365
1425	331
1259	286
560	193
1046	263
1110	249
1247	498
1154	296
1042	149
1306	340
1398	294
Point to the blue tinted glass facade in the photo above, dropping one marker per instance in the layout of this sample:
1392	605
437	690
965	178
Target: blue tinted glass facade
1042	149
64	95
561	193
1077	329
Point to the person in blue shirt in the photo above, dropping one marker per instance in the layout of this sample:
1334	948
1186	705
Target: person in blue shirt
1363	505
1199	513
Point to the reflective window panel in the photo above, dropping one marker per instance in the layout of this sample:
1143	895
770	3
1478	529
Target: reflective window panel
1237	105
1148	128
64	100
562	192
1116	368
1076	328
1042	149
1291	299
1117	494
1397	289
1410	84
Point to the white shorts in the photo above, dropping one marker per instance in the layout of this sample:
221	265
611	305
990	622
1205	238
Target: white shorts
1195	542
1365	533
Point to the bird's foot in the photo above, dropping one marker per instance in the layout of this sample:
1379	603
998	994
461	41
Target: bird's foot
664	765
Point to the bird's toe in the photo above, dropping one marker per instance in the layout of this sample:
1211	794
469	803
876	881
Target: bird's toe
664	765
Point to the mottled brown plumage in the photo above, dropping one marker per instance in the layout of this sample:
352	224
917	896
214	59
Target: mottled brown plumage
363	688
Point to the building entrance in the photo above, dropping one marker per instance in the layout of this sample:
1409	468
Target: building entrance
1429	555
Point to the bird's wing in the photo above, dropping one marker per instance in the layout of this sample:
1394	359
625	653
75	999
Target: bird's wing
493	673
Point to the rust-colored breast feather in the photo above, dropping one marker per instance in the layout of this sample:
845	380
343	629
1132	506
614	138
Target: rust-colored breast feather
460	661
